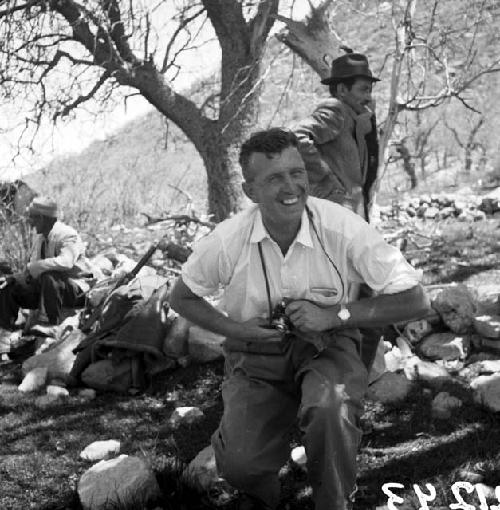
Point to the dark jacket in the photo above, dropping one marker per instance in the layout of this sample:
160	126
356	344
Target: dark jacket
340	149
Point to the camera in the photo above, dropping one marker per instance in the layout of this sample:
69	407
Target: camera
279	318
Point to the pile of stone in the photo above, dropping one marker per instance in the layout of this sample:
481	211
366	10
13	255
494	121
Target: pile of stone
459	342
463	207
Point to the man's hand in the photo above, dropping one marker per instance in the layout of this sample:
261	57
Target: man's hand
308	317
257	330
6	281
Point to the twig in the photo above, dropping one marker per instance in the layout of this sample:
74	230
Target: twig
178	218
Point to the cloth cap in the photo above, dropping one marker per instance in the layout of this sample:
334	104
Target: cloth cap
349	65
43	206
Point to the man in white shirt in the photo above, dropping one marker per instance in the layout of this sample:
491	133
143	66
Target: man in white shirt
57	275
303	251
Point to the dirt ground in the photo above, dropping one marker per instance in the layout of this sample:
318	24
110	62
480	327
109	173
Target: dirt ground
39	452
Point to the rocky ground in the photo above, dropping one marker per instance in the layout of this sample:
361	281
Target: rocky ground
431	418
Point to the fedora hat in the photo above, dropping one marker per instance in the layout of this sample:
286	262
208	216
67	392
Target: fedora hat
349	65
43	206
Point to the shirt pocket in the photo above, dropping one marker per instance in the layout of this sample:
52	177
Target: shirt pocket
323	296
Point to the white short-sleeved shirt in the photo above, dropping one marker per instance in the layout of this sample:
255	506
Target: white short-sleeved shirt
228	258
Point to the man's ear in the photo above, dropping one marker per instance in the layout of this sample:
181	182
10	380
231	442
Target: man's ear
341	89
248	190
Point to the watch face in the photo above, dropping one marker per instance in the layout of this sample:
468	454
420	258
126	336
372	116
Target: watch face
343	314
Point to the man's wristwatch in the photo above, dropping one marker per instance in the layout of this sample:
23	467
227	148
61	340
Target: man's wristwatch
343	314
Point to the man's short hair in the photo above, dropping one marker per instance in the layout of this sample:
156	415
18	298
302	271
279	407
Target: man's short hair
269	142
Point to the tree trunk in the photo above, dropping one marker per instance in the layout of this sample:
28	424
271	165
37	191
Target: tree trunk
223	178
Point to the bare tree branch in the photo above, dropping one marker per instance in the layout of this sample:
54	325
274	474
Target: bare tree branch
312	39
184	22
20	7
81	99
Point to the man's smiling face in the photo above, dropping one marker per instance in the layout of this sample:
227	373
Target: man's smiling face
279	184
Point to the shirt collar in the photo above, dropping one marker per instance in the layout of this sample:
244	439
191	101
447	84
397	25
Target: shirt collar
259	231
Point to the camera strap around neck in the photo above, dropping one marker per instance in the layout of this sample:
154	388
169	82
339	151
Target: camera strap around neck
268	289
264	270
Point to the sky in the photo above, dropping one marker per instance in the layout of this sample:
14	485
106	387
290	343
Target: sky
73	136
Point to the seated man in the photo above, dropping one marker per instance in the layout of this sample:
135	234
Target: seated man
57	275
304	251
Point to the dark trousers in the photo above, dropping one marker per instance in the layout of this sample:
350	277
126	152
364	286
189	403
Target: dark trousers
52	290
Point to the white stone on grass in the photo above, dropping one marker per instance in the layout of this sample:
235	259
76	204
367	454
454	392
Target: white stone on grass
185	415
33	380
487	391
101	450
125	482
57	391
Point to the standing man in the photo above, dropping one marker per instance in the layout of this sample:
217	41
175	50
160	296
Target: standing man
57	275
288	247
339	140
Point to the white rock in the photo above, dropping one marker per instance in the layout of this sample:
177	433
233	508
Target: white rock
416	330
415	368
57	391
202	468
488	325
394	360
9	340
99	450
123	482
389	388
487	390
204	346
298	455
185	415
87	393
33	380
456	306
443	405
404	346
445	346
489	366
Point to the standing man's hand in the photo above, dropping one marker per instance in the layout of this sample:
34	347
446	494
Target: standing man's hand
308	317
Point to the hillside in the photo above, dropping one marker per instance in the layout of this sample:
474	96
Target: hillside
149	167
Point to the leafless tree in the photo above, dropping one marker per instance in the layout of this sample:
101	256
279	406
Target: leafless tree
64	53
437	53
469	142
